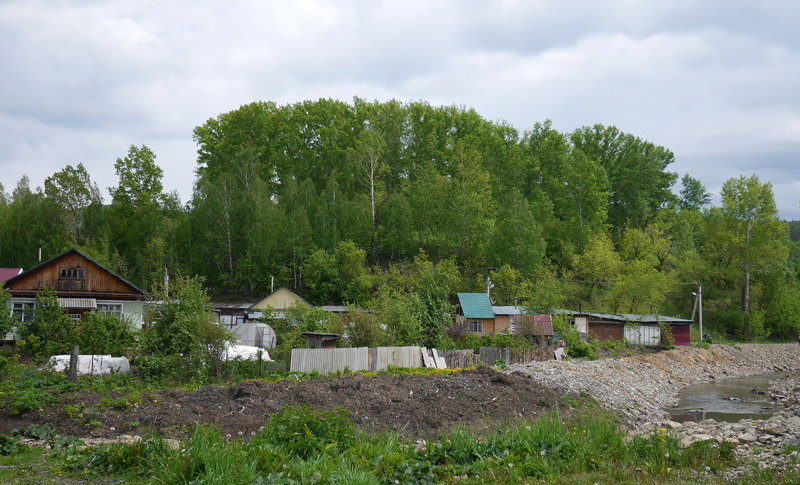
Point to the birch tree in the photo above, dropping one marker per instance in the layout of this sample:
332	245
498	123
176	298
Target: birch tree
367	157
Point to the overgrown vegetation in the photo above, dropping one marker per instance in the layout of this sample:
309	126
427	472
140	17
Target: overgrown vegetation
305	445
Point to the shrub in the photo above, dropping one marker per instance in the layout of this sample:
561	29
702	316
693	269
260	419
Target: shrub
667	340
105	334
51	332
152	369
306	431
582	350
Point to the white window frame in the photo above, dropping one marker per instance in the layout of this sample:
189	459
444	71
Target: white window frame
110	309
24	311
76	317
476	326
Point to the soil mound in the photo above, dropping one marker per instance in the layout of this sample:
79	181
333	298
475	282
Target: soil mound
412	406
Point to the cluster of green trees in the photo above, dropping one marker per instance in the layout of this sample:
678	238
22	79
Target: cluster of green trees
343	201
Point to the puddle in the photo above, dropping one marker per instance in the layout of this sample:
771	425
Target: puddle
728	400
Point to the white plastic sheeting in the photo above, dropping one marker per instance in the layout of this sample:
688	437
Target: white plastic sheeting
92	365
246	352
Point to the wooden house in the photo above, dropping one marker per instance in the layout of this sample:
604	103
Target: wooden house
231	314
279	301
505	318
81	285
475	311
234	317
578	320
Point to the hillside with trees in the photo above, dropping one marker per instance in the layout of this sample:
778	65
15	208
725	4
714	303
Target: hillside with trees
397	206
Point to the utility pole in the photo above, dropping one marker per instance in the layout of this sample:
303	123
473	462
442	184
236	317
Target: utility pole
700	299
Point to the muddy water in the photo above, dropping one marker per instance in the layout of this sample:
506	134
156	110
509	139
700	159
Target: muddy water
728	400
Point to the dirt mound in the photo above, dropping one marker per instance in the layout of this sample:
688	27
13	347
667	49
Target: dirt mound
412	406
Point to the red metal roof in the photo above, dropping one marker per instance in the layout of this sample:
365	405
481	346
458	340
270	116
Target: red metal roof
534	324
8	273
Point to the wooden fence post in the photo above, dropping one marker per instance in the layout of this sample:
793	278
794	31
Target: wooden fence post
73	364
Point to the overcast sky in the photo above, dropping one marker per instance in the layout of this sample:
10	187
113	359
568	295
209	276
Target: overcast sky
716	82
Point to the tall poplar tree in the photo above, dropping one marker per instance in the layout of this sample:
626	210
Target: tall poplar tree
758	236
73	192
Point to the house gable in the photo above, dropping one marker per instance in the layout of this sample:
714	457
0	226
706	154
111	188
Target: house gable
280	301
74	275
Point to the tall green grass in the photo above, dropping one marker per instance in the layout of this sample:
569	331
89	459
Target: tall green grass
306	445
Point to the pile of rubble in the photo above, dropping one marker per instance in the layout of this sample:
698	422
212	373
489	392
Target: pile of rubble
759	443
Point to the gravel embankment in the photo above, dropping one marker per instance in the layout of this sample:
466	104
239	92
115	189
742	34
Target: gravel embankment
642	386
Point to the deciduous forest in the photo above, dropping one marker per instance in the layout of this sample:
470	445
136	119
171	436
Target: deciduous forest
396	206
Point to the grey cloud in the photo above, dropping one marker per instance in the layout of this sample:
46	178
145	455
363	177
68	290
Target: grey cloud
704	79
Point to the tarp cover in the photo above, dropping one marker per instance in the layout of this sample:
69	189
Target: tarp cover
101	364
246	352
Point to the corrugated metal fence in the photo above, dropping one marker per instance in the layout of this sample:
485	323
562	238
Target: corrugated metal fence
326	361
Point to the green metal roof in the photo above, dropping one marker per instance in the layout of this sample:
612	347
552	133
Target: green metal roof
476	305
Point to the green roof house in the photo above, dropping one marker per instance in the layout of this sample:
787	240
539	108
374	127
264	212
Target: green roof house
475	311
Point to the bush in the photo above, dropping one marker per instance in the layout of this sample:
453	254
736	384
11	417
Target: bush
667	340
582	350
153	369
51	332
306	431
105	334
115	457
